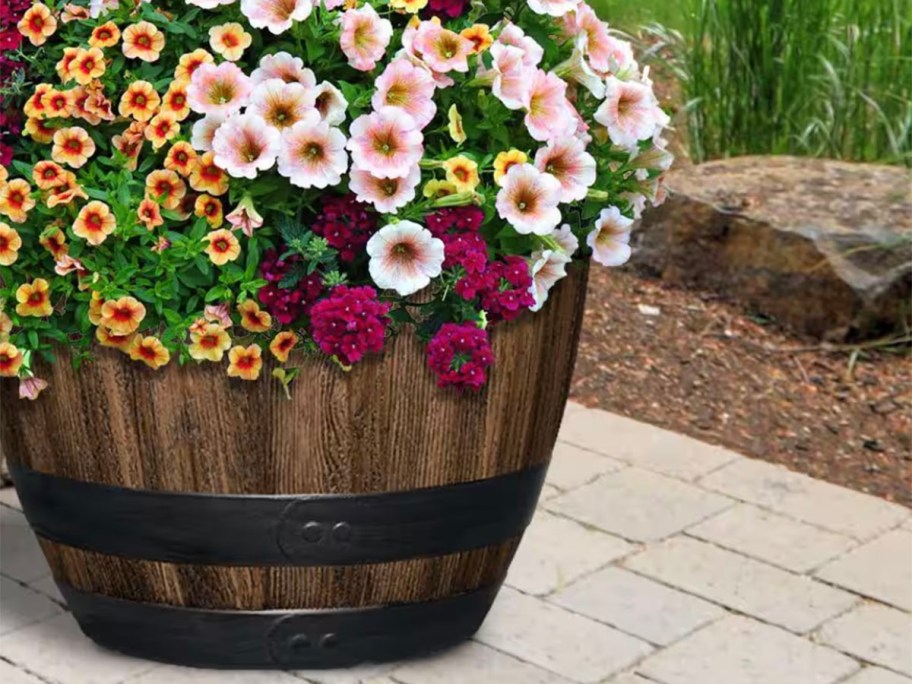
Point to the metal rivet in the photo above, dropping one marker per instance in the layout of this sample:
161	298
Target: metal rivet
299	642
329	641
312	532
342	532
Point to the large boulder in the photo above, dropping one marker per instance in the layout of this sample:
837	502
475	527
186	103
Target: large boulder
824	247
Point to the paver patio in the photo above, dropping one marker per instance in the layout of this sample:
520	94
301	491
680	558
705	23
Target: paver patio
654	559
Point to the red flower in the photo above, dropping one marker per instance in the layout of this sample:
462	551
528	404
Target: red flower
447	9
460	355
350	323
347	225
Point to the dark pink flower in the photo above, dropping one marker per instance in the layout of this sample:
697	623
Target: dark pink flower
350	323
460	354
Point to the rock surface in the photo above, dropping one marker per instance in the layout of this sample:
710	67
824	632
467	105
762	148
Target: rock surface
824	247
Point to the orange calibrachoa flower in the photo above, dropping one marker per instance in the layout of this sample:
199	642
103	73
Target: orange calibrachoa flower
245	363
143	41
95	222
181	158
139	101
35	106
166	187
282	345
54	241
253	319
15	200
150	351
72	146
105	35
130	143
480	35
122	316
39	130
175	101
63	64
506	161
37	24
229	40
48	174
6	326
10	243
73	12
208	177
223	247
106	338
190	62
97	104
150	214
95	305
209	343
161	128
64	193
34	299
59	103
10	360
87	66
210	208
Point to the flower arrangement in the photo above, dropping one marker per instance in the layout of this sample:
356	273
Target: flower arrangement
217	181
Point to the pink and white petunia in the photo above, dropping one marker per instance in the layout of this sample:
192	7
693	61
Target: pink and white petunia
605	52
285	67
610	239
511	75
549	113
218	89
547	267
555	8
441	49
528	200
365	37
404	257
313	153
408	87
205	4
281	104
331	103
245	145
386	143
514	36
245	218
567	160
388	195
630	112
204	130
568	242
276	15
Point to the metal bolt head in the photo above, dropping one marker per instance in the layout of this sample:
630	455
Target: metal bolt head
312	532
342	532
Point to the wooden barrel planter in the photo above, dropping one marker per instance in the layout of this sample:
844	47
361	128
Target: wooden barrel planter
198	520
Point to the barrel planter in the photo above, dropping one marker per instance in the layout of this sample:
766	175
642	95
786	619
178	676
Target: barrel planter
198	520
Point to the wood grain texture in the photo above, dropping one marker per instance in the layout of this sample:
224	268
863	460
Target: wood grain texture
247	588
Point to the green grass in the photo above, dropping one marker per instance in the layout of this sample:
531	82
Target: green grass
629	15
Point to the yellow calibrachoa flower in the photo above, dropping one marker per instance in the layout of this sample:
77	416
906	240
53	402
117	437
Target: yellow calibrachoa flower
64	193
122	316
10	360
223	247
143	41
209	343
87	66
208	177
253	318
37	24
457	131
149	214
139	101
161	128
190	62
16	200
130	143
166	187
410	6
10	243
54	241
245	363
229	40
94	223
95	304
282	344
63	64
72	146
39	130
35	106
6	326
506	161
480	35
34	299
59	104
150	351
439	188
181	158
463	173
106	338
48	174
175	101
210	208
105	35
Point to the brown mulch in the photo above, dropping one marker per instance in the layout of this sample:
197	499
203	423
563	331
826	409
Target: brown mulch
705	368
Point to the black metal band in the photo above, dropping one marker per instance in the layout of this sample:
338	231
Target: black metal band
278	530
277	639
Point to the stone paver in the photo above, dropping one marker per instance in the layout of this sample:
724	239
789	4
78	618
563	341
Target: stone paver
474	662
13	675
642	445
877	675
739	650
166	674
773	538
881	569
639	505
630	679
8	497
760	590
558	640
875	633
572	466
555	551
20	555
637	605
23	606
803	498
354	675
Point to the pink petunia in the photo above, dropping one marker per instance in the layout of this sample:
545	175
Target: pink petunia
548	267
286	68
221	89
549	113
514	36
441	49
528	200
331	103
630	112
610	239
511	75
407	87
405	257
313	153
281	104
245	145
386	143
365	37
388	195
203	131
555	8
567	160
276	15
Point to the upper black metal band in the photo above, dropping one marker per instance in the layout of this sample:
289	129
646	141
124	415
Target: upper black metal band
278	639
278	530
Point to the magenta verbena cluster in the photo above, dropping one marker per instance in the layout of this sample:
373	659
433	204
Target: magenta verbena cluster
460	354
350	323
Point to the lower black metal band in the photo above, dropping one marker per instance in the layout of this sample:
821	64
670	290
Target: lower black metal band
277	639
278	530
